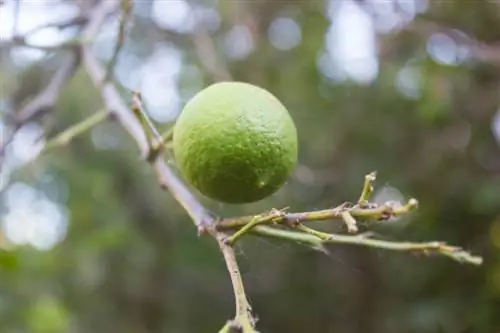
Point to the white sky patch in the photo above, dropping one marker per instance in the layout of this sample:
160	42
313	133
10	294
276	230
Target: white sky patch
106	136
173	15
351	42
5	172
495	126
284	33
33	14
27	143
239	42
330	69
443	49
32	219
210	18
408	81
160	83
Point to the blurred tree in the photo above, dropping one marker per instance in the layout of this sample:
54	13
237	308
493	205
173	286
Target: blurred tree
407	88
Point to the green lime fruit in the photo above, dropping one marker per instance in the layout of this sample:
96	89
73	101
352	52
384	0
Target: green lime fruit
235	143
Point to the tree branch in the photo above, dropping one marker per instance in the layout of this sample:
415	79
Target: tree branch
202	218
65	137
318	240
372	212
127	6
46	100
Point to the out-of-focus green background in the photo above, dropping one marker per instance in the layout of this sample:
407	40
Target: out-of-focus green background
409	88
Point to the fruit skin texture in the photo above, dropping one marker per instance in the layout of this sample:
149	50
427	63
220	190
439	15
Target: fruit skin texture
235	142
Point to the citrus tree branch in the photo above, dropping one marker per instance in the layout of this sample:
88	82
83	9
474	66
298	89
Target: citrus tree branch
318	240
290	226
373	212
202	218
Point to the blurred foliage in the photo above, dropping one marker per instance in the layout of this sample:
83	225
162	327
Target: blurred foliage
130	260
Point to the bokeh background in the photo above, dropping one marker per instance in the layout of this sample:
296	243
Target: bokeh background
410	88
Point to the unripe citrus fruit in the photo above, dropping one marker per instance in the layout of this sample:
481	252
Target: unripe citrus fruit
235	142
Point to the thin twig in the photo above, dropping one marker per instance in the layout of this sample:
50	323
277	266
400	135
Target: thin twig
21	41
318	240
46	100
155	139
127	6
381	212
78	20
65	137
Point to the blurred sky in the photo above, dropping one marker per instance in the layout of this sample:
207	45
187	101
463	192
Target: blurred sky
31	217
